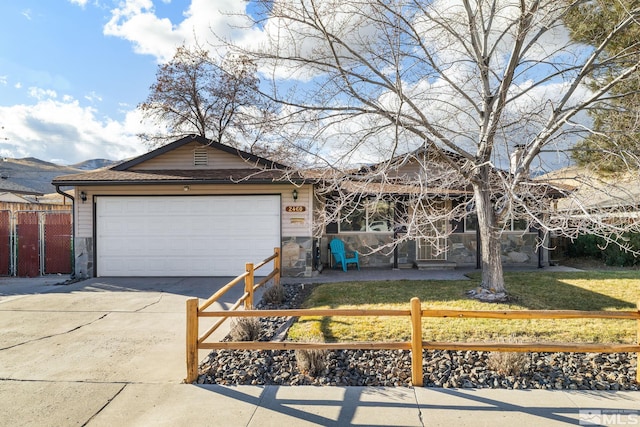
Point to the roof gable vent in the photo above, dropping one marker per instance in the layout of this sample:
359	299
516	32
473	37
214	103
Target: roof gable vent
201	157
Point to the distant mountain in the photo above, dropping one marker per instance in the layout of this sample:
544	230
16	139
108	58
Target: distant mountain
94	164
37	174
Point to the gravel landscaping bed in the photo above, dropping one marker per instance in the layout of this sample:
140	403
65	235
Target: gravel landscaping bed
459	369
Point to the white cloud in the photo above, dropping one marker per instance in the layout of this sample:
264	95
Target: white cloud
93	97
137	22
67	131
81	3
40	94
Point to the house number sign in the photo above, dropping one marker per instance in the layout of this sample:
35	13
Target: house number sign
295	208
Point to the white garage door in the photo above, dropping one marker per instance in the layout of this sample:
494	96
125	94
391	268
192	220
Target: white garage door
184	236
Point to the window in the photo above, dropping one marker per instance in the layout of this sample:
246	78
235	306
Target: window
372	216
471	223
353	218
519	225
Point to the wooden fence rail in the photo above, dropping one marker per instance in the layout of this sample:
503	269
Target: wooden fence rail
195	311
416	345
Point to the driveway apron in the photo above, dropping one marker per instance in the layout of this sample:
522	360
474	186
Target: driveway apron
75	346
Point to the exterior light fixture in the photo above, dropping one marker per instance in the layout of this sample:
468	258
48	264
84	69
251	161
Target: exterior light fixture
186	188
294	193
83	196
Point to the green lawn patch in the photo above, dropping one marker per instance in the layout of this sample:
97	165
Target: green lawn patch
591	290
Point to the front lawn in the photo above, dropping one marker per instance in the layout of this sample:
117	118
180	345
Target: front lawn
591	290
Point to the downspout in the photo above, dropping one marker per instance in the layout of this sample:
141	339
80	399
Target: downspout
73	229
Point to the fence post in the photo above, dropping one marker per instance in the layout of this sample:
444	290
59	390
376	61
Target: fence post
276	266
192	340
248	285
416	342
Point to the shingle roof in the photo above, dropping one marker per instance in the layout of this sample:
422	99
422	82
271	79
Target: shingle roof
264	170
592	191
12	187
211	176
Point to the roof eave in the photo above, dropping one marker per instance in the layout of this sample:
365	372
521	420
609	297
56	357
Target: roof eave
176	181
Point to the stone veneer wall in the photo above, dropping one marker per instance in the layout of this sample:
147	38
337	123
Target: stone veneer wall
83	249
297	256
407	253
517	249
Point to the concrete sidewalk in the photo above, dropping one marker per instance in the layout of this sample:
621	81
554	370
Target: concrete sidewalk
111	351
277	406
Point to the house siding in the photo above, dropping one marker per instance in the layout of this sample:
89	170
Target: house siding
182	158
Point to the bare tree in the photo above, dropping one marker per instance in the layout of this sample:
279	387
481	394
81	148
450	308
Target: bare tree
461	89
193	94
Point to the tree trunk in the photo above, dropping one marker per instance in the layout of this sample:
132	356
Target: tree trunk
490	250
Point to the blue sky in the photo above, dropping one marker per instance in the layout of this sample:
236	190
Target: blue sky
73	71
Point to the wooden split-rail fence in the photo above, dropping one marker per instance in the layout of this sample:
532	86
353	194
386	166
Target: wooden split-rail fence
416	345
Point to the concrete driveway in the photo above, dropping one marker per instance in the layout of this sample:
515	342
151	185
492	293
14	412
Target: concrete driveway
76	346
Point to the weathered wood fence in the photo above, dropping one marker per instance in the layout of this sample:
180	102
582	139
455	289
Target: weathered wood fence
416	345
36	242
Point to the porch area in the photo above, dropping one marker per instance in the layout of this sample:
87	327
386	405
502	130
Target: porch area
381	274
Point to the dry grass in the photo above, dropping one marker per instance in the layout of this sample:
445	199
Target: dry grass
593	290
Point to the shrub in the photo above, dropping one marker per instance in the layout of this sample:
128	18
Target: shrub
273	294
508	363
585	245
588	245
311	362
245	329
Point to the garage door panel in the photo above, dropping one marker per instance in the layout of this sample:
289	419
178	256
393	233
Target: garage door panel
133	207
189	235
200	207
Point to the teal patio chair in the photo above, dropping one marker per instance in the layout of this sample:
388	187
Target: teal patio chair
339	254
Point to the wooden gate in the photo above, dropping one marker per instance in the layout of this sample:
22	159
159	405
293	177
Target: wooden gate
57	242
28	244
5	243
34	243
